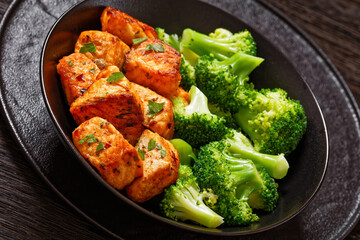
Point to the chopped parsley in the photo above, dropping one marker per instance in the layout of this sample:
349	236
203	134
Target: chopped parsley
163	153
139	40
155	47
151	144
154	108
88	47
115	76
70	63
89	139
159	147
100	146
141	154
92	70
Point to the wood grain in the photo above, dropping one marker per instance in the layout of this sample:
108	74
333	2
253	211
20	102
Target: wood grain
30	210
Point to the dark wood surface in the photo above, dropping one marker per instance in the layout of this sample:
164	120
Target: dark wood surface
30	210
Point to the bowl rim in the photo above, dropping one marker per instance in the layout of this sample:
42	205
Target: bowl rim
185	226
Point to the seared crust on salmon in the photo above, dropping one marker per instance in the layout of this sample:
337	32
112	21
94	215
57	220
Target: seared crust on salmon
77	73
117	102
107	150
161	166
157	70
124	26
109	49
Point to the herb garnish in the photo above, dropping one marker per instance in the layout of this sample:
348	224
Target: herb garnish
70	63
154	108
115	76
89	139
92	70
151	144
88	47
141	154
139	40
100	146
155	47
163	153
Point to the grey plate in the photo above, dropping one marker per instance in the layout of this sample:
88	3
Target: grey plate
331	214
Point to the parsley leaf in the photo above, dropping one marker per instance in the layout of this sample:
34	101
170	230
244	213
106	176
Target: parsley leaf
154	108
92	70
163	153
155	47
141	154
100	146
151	144
159	147
88	47
70	63
139	40
115	76
89	139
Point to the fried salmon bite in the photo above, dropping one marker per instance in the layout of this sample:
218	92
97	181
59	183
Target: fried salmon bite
77	72
158	112
107	150
113	98
155	65
124	26
103	48
161	164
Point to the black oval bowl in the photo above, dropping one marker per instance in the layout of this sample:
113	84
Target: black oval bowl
307	163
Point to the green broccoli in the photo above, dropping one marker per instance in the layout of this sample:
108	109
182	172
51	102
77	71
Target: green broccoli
185	201
170	39
194	123
225	82
230	120
274	122
187	72
185	151
222	43
234	180
240	146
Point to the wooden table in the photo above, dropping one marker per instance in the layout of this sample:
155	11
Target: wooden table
30	210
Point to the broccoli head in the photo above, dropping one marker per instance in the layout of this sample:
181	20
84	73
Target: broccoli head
185	201
274	122
234	180
170	39
187	72
222	43
195	123
225	82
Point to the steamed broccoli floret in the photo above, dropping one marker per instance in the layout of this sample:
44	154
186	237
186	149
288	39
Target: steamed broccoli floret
234	180
194	123
187	72
185	201
226	82
230	120
240	146
274	122
185	151
222	43
170	39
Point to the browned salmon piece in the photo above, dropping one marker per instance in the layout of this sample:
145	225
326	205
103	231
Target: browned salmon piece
158	71
184	95
161	122
77	73
124	26
107	150
109	50
117	102
161	165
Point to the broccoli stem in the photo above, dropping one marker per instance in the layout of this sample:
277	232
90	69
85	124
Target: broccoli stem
276	165
240	64
242	118
198	102
192	208
202	44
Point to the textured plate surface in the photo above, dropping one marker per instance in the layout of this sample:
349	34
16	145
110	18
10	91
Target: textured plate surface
326	217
